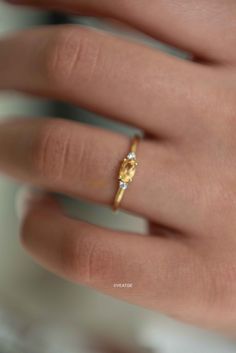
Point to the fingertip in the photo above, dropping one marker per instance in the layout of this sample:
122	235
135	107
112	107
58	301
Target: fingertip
34	206
30	197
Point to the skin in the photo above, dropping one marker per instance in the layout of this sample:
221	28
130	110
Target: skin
185	184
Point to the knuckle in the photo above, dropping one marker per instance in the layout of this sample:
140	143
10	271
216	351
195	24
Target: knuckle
86	160
51	147
84	259
71	53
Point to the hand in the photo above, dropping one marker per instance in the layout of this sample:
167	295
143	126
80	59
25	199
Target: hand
186	180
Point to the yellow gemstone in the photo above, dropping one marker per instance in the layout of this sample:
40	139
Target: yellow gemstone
127	170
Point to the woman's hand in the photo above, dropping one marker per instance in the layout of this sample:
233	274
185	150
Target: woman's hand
186	180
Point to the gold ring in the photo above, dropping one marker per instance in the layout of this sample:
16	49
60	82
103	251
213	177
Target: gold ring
127	172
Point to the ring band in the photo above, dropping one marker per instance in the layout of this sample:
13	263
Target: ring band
127	172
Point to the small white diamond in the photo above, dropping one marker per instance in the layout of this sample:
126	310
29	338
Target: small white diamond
131	155
123	185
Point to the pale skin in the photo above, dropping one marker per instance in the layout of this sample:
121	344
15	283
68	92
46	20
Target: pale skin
185	184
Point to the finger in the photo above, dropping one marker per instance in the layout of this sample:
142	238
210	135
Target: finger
195	26
111	76
83	161
104	259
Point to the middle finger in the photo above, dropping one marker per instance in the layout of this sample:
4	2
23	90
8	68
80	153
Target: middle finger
127	81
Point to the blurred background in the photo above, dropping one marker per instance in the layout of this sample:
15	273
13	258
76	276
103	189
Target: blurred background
40	312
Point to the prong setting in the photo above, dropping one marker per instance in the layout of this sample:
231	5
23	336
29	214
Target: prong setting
131	155
123	185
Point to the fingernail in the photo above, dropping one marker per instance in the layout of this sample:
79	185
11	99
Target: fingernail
25	198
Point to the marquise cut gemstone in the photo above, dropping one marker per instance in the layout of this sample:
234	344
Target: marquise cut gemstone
127	170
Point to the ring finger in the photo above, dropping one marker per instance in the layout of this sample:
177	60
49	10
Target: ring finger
83	161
